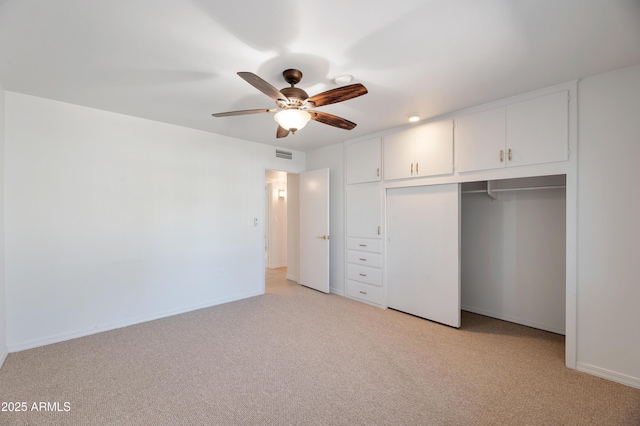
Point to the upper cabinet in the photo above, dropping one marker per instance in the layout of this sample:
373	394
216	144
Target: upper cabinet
425	150
538	130
363	161
533	131
480	140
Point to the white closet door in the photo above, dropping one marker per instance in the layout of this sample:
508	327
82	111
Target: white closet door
423	252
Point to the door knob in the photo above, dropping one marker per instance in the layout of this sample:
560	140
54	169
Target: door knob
324	237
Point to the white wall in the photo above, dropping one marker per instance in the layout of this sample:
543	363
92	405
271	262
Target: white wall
113	220
513	256
333	158
293	227
609	226
3	304
277	238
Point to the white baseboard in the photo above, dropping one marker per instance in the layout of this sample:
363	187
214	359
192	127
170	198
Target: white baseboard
625	379
57	338
292	278
336	291
3	357
521	321
277	266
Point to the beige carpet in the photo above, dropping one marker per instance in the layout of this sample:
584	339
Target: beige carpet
298	357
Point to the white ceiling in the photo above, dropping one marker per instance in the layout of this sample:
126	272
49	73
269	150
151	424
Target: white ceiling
176	60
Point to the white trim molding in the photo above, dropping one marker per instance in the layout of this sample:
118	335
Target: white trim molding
625	379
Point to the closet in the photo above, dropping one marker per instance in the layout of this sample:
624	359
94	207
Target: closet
466	213
513	250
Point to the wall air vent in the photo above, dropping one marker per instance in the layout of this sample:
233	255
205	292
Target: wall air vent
284	154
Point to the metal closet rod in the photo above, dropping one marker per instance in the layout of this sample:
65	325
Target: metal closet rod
522	188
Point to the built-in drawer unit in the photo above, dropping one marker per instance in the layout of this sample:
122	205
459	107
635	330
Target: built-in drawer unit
364	292
364	258
365	274
364	244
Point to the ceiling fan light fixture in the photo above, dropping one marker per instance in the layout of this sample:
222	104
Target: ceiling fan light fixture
292	119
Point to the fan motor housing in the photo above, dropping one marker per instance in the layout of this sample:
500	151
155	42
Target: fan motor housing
294	93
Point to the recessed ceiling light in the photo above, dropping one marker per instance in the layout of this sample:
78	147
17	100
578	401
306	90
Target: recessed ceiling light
343	79
414	116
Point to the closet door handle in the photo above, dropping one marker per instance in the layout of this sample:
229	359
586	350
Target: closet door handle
509	154
501	156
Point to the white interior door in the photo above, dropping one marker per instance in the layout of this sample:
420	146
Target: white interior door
423	252
314	229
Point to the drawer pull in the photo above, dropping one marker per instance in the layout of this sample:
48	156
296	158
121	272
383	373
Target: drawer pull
362	245
363	292
364	260
363	275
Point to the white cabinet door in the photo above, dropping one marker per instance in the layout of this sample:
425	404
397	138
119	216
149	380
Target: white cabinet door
399	153
480	140
538	130
434	149
425	150
364	211
363	161
423	252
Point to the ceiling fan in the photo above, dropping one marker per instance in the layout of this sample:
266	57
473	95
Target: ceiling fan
293	111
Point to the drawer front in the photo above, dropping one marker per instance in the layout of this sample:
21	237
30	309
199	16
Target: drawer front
364	292
364	244
364	274
364	258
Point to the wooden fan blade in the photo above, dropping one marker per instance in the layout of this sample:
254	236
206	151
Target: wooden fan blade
243	112
262	86
281	132
338	95
332	120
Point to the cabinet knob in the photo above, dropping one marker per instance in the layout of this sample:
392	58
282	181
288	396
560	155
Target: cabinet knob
363	275
362	259
501	156
509	154
378	172
378	229
411	169
417	172
363	292
362	245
